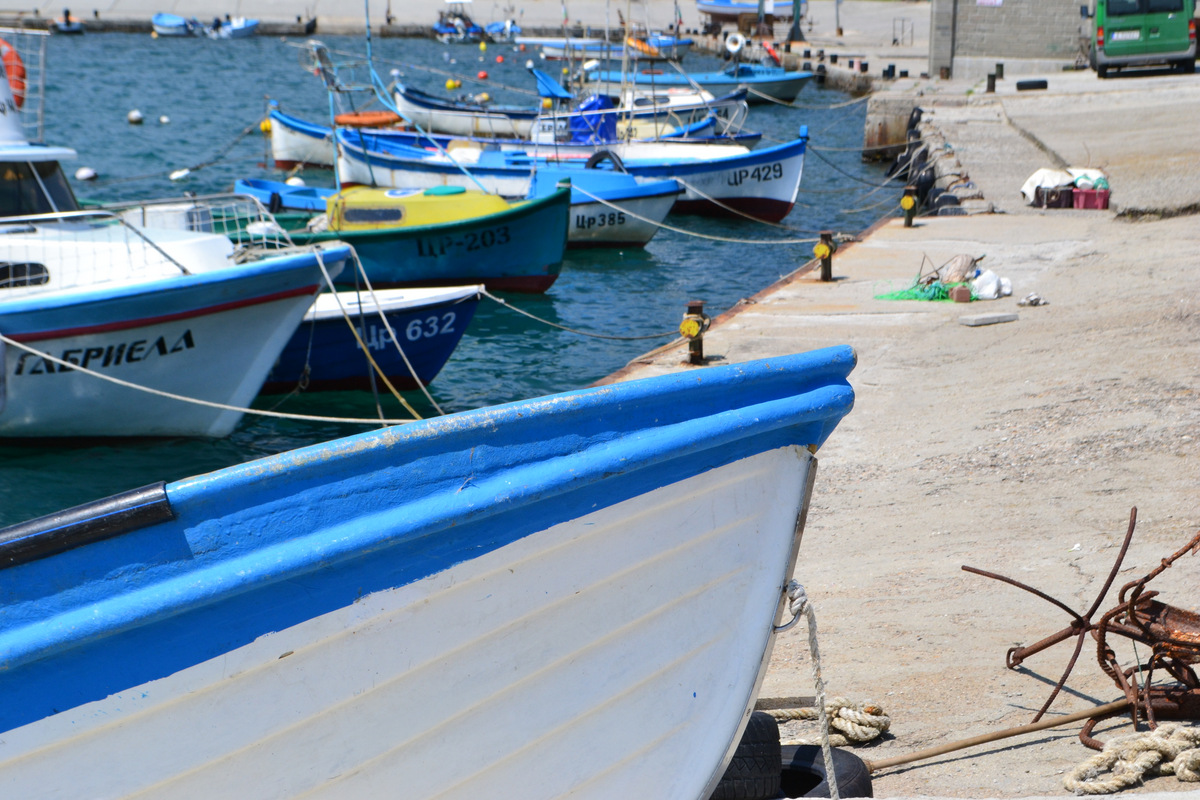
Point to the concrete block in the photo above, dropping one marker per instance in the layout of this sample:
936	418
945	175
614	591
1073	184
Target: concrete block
975	320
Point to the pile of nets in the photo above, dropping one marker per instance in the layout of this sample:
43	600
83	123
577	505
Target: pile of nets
934	291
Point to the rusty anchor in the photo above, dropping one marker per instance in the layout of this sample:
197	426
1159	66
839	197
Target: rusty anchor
1172	634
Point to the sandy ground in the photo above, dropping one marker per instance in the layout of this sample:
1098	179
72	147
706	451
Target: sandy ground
1018	448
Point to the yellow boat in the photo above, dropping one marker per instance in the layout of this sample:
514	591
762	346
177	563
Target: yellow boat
365	208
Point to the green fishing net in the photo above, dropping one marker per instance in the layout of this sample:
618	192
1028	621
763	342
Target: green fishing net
935	291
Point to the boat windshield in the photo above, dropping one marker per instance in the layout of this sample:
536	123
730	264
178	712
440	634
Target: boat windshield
28	187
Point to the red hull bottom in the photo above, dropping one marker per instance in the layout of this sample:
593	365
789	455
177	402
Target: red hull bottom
757	207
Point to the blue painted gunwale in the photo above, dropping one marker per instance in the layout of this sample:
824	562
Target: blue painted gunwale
268	544
301	198
117	306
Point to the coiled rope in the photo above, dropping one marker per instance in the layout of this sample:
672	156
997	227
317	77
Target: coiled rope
1170	749
858	722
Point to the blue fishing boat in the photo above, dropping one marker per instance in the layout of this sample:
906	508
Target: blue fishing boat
762	183
174	25
454	24
608	209
763	83
410	334
298	143
571	595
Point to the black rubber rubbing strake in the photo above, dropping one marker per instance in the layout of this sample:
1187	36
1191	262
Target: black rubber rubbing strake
84	524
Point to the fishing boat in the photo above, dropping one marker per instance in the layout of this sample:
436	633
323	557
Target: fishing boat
231	28
297	143
571	595
763	83
455	24
107	320
66	24
656	47
762	183
502	31
410	334
446	236
174	25
730	10
608	209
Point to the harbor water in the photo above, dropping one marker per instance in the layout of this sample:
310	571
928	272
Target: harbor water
213	95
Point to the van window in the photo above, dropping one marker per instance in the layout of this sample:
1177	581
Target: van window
1121	8
1164	5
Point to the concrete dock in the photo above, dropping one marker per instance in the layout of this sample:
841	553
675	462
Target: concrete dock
1018	447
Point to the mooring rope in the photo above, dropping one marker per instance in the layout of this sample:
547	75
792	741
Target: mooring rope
536	318
799	604
1170	749
686	232
193	400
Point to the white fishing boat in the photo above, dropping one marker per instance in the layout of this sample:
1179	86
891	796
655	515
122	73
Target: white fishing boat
762	183
123	325
574	595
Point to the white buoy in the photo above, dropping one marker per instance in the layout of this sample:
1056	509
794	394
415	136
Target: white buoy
295	180
180	174
85	174
164	119
529	64
134	117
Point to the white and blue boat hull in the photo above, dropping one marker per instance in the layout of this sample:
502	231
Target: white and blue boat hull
569	595
210	336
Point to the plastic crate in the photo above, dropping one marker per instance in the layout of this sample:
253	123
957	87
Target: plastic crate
1059	197
1091	198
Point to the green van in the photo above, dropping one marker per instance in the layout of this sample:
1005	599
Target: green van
1135	33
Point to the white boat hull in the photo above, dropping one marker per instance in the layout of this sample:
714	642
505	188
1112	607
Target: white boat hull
203	358
616	655
631	225
292	148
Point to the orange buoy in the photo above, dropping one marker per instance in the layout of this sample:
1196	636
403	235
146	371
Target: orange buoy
366	119
482	75
15	69
774	55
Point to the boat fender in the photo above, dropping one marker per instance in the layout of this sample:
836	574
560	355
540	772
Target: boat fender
275	204
734	43
600	156
14	67
773	54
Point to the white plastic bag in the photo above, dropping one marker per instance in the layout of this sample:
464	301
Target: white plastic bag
986	286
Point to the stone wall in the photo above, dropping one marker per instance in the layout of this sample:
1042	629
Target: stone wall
966	32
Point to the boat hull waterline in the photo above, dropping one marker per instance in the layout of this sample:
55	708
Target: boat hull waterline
461	585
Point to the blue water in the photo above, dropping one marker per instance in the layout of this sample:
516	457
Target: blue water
215	91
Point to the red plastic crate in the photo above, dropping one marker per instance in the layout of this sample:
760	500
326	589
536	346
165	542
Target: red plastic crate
1090	198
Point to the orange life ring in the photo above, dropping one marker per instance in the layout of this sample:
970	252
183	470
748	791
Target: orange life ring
642	46
367	119
771	52
14	67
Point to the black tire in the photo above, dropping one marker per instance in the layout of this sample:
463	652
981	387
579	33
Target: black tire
600	156
275	203
1028	86
1101	72
756	769
804	775
1188	66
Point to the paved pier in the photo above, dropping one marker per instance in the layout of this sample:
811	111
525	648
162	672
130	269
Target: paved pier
1017	447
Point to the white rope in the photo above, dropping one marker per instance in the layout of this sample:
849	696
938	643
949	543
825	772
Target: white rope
193	400
1170	749
798	603
858	722
687	232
